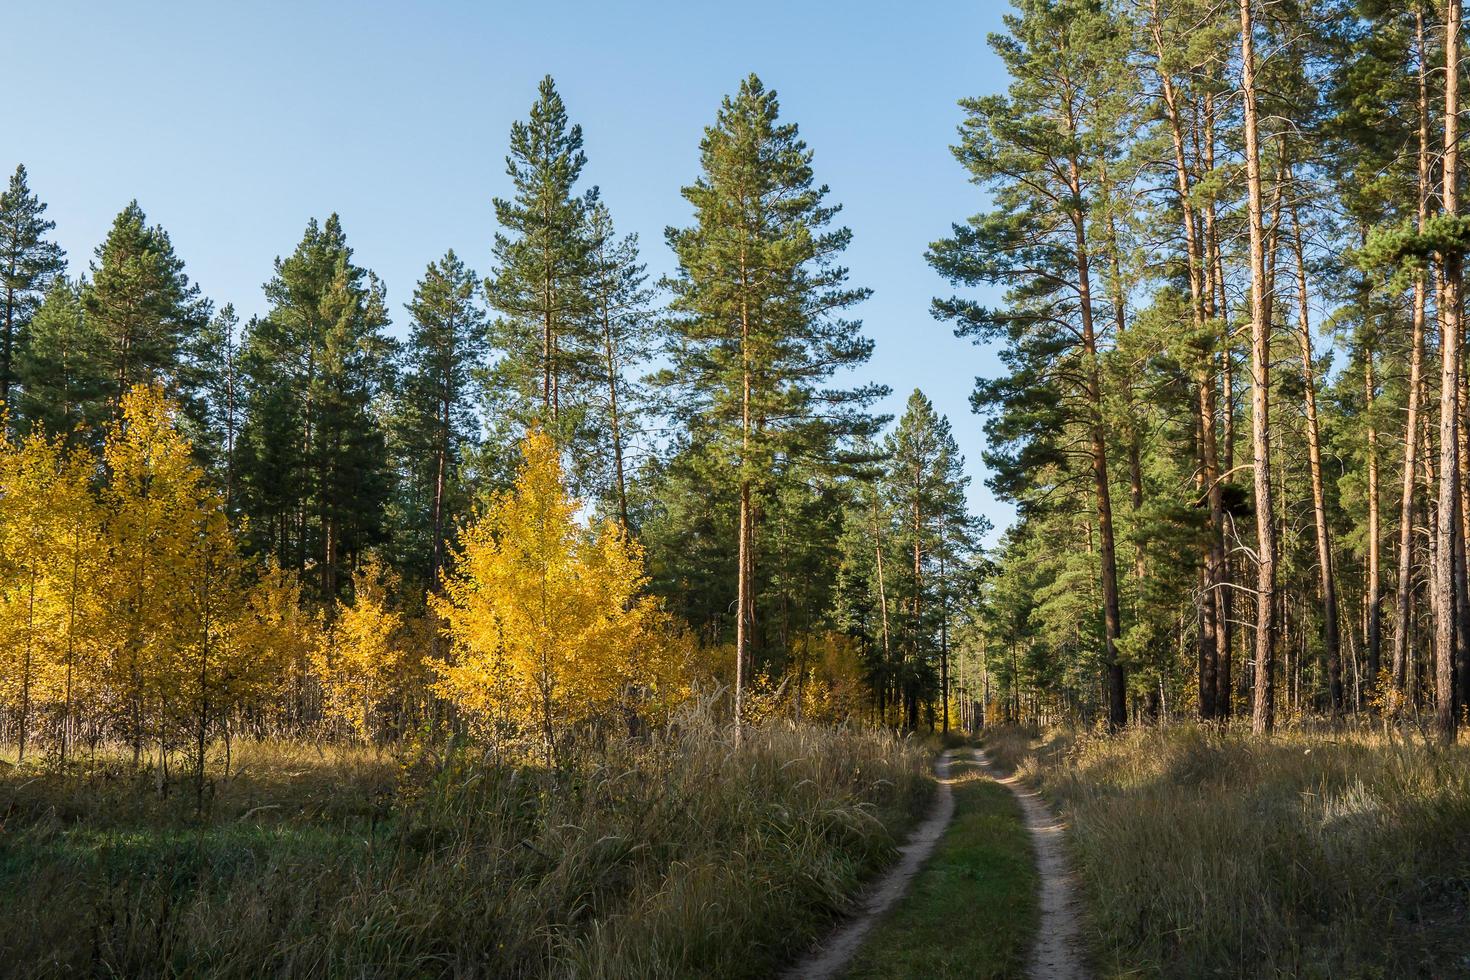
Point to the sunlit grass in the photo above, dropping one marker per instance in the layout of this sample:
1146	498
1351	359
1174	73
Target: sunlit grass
677	856
1314	853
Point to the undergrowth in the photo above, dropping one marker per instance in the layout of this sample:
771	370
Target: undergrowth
675	856
1209	852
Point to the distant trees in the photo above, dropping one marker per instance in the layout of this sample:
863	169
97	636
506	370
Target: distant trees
435	419
1048	152
494	520
623	320
908	542
140	304
313	467
28	265
63	390
540	283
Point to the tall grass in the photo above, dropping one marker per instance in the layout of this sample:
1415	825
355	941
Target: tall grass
1312	854
678	856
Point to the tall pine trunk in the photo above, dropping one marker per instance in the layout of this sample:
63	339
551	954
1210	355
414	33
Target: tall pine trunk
1327	581
1210	646
1373	587
1414	396
1116	681
744	614
614	421
1444	599
1262	714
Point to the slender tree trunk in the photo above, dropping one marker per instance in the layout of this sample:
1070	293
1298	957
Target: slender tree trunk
1444	592
441	465
1374	598
943	635
204	586
1415	396
548	339
1199	282
25	673
882	590
1217	305
7	343
1327	581
1117	689
71	634
917	604
1262	717
614	422
743	611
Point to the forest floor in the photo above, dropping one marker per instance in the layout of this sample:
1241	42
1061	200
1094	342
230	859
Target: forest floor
672	857
1204	851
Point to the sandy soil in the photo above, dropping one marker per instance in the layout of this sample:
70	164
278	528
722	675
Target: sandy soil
1057	954
832	956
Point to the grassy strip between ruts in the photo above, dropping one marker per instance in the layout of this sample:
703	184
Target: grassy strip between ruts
972	910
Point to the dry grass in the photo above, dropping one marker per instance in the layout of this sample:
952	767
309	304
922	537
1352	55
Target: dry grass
680	856
1313	854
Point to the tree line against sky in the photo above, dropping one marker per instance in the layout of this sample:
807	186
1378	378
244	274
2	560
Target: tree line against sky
1232	412
1217	515
560	499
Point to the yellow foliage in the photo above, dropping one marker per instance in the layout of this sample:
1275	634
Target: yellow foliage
823	681
549	622
169	581
277	638
49	551
357	657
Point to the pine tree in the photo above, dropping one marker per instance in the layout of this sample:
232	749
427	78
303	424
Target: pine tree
141	304
623	322
28	264
435	421
1042	151
932	536
539	286
213	398
758	327
313	469
64	384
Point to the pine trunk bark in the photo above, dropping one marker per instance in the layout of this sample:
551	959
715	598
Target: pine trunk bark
1444	597
1327	581
1263	706
1415	398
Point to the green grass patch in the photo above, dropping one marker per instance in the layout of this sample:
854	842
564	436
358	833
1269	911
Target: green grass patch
972	910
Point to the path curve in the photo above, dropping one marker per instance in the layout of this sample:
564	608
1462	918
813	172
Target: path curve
1057	953
834	955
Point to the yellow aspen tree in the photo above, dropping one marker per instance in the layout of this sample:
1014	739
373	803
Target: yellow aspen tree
205	609
28	478
357	655
277	637
76	560
152	504
547	619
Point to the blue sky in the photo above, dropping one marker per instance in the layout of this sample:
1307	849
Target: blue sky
232	124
